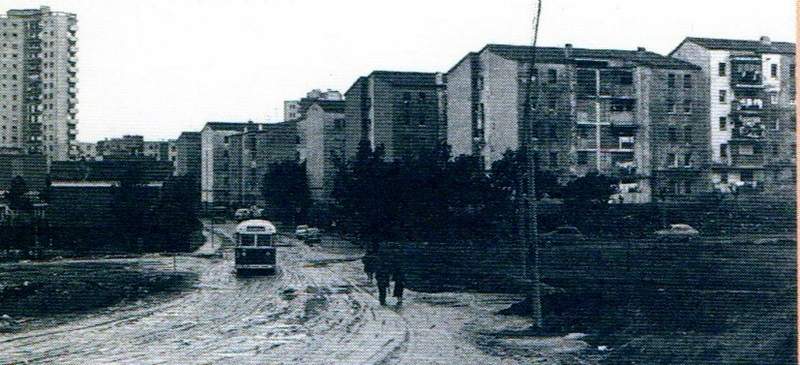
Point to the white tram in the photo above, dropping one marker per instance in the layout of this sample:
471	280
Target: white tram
255	248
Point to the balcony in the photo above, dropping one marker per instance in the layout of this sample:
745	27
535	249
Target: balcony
586	144
620	112
73	101
72	80
73	111
748	105
72	39
72	59
73	28
72	69
73	49
746	72
748	128
72	123
72	90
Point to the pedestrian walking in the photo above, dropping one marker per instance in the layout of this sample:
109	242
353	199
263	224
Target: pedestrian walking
370	262
383	275
399	278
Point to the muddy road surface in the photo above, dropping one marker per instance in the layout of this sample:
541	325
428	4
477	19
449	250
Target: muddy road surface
317	309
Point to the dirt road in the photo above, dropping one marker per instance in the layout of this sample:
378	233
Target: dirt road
318	309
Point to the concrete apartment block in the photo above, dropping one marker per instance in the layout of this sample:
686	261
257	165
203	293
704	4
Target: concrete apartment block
749	88
323	139
38	83
187	154
597	110
250	156
214	161
396	110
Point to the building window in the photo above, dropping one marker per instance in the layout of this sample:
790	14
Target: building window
552	131
479	82
776	125
747	176
622	105
773	70
773	98
672	160
687	81
552	76
553	159
723	123
583	157
723	96
687	106
775	149
687	160
791	71
672	134
687	134
626	78
671	80
670	106
723	151
746	150
723	68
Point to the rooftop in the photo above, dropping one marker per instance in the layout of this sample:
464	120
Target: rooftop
331	106
403	78
110	170
558	55
764	45
227	126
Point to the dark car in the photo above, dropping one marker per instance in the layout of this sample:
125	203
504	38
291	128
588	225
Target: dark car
563	234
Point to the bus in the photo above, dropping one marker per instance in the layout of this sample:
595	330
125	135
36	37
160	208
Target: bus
255	247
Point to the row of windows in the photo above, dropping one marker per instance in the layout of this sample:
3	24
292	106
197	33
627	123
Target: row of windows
687	81
722	70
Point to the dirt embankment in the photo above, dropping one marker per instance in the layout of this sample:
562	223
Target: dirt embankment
30	292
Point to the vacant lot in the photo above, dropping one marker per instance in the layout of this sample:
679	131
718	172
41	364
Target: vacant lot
55	290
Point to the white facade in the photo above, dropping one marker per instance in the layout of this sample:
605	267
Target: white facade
38	83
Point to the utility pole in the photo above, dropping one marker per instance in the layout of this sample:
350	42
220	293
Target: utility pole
528	225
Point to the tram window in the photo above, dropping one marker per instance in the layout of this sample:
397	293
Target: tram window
264	241
248	239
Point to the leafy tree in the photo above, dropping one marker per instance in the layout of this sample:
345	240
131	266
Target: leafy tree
129	214
507	171
286	191
17	198
591	190
174	219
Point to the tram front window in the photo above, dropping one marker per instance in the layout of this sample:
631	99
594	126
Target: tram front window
247	239
264	241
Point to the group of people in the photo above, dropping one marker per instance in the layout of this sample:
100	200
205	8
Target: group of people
385	267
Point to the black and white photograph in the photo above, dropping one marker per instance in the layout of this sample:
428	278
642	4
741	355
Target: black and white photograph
608	182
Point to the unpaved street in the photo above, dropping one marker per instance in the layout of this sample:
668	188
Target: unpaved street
317	309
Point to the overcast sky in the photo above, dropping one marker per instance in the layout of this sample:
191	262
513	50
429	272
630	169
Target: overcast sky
157	68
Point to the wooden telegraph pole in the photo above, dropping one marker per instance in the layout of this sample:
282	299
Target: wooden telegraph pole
528	226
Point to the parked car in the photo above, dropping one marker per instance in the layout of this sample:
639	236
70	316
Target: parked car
241	214
564	234
301	231
313	236
786	242
677	232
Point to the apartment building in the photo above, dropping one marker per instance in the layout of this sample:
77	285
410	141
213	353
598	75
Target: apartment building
86	151
749	87
322	137
250	156
187	154
38	83
400	111
634	115
160	150
214	161
295	109
125	147
32	168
